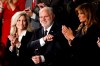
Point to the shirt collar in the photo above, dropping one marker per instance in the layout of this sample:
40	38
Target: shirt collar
48	29
23	33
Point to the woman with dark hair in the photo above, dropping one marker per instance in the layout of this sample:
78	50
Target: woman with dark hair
84	41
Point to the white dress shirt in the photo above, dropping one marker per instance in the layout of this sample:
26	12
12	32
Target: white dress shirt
42	43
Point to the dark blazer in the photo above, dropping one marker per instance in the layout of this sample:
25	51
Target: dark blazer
85	49
52	51
22	59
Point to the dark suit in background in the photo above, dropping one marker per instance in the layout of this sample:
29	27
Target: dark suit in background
35	23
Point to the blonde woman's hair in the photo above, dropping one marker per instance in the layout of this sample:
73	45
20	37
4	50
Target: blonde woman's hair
14	20
88	10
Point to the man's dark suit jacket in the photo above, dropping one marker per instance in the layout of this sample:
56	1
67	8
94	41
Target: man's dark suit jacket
35	22
22	59
52	51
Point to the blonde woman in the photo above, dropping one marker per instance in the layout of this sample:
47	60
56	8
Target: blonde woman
7	9
20	34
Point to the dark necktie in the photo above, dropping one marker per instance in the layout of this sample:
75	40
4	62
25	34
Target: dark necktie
45	32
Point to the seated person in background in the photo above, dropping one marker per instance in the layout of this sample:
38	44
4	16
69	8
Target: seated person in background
31	10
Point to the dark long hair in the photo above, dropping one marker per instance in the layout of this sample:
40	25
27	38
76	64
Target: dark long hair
88	10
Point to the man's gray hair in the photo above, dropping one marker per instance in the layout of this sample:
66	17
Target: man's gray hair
48	9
